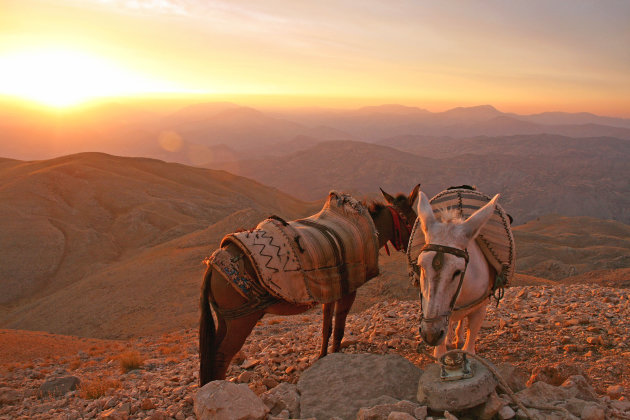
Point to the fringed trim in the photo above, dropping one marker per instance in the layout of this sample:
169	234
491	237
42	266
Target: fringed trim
346	202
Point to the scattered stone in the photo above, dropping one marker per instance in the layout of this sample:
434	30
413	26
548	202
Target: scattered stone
245	377
421	412
147	404
224	400
340	384
283	397
514	377
449	416
399	415
577	387
169	380
383	411
615	392
506	413
248	364
593	412
553	374
541	393
491	407
56	387
9	396
269	383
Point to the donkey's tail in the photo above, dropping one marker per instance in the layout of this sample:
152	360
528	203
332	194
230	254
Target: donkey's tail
207	333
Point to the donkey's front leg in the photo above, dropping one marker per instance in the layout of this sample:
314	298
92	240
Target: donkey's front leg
475	319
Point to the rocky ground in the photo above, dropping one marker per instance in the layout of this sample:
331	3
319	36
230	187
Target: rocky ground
547	332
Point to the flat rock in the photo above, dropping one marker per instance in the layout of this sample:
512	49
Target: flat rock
455	395
224	400
340	384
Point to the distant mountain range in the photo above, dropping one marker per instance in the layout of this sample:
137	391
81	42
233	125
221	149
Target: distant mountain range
376	123
536	175
204	133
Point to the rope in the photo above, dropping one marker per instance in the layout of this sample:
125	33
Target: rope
503	384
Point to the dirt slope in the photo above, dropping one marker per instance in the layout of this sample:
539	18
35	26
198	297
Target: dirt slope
94	244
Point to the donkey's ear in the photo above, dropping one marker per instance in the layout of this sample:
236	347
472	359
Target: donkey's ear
478	219
413	195
388	197
425	213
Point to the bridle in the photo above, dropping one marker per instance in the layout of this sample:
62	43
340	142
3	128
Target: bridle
399	220
437	263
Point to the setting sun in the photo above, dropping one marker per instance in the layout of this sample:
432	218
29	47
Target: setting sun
63	77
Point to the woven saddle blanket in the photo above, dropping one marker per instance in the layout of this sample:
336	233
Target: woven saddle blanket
495	239
317	259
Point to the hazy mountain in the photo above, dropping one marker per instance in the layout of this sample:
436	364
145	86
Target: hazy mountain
520	145
82	237
579	118
588	177
191	134
379	122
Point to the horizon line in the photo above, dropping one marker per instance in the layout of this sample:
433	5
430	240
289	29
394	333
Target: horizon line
288	102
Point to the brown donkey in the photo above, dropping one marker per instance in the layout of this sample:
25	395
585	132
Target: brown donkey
237	316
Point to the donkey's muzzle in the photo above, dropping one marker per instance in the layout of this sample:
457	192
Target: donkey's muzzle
432	334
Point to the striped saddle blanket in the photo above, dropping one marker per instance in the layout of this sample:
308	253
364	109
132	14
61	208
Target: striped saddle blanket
495	239
317	259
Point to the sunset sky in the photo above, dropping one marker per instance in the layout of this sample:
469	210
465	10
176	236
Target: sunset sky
520	56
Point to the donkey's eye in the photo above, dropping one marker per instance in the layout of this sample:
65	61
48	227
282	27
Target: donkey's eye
457	273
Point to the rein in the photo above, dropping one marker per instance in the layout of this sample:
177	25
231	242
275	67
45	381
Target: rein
398	219
437	264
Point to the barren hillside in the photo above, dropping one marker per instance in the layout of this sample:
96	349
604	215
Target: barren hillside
94	244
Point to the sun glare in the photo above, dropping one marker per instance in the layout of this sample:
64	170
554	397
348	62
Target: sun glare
62	78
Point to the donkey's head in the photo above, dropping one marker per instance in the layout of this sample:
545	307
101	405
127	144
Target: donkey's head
403	205
443	262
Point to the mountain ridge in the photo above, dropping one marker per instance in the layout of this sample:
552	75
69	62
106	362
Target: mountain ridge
189	133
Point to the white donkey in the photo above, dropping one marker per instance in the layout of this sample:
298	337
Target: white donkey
455	277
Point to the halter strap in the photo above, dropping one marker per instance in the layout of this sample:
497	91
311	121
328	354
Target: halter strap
462	253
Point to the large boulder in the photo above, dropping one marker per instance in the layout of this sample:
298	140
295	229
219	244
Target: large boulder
340	384
224	400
